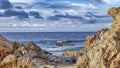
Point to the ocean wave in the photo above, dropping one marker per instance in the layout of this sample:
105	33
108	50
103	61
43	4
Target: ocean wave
71	41
61	49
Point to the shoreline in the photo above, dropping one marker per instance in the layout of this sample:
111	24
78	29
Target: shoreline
14	52
101	51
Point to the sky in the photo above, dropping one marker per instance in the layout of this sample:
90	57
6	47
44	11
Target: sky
55	15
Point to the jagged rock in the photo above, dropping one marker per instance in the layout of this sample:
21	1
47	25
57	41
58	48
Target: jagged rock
17	55
5	47
25	62
103	49
9	58
83	62
74	54
32	50
12	62
9	62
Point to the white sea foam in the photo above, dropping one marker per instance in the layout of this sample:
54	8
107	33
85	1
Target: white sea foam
62	49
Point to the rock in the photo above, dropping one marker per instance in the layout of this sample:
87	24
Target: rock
9	62
103	49
25	62
82	62
17	55
74	54
60	43
9	58
33	46
113	12
12	62
47	66
5	47
32	50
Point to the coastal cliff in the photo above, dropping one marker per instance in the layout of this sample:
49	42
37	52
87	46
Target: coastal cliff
103	50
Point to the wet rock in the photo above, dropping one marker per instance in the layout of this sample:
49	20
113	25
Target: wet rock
60	43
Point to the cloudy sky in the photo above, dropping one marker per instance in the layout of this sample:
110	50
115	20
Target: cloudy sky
55	15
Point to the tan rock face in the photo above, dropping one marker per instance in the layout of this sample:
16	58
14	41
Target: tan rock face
74	54
12	62
32	50
103	49
16	55
5	47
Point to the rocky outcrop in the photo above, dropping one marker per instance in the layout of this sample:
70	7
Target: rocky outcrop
5	47
74	54
17	55
103	49
32	50
12	62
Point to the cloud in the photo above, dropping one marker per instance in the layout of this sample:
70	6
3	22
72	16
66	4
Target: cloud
5	4
22	1
105	2
112	2
27	25
96	1
78	16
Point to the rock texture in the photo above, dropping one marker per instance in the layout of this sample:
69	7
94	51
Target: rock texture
103	49
5	47
74	54
12	62
17	55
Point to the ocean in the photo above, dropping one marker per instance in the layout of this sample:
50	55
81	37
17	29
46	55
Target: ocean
47	40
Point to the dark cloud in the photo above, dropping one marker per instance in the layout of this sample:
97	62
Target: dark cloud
19	14
96	2
5	4
90	14
66	16
35	14
59	6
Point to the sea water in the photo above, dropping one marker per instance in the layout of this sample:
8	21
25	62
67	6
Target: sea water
47	40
